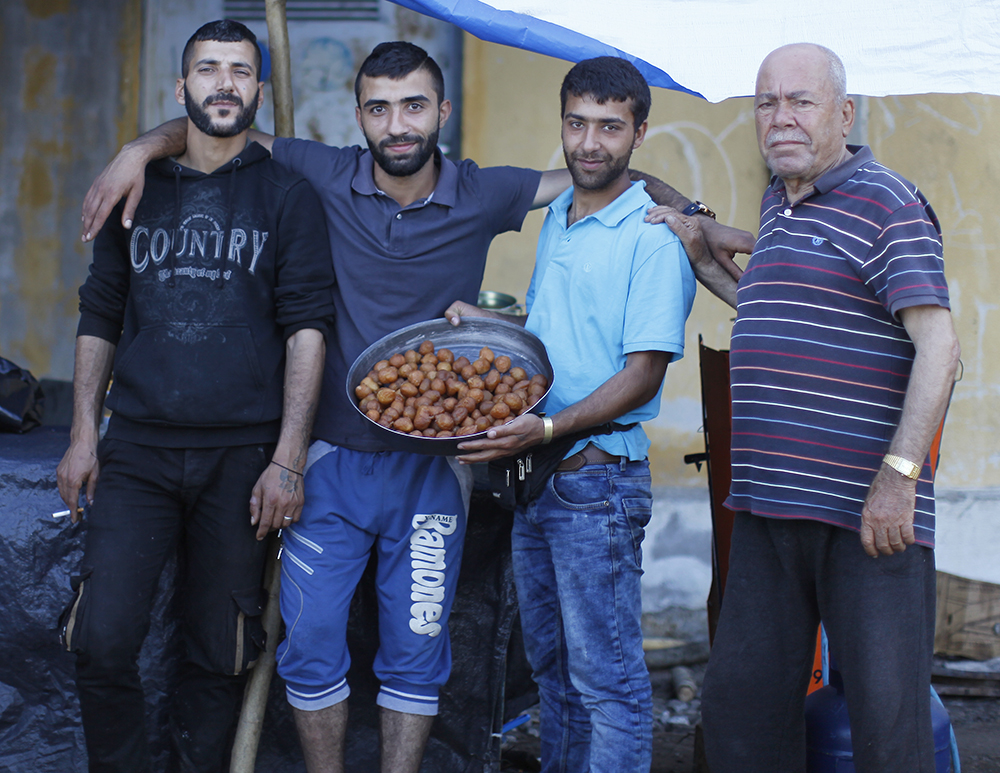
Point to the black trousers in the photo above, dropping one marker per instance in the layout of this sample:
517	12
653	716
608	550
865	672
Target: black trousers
784	577
149	503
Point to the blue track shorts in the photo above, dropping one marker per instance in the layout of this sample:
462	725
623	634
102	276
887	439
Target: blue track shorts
412	510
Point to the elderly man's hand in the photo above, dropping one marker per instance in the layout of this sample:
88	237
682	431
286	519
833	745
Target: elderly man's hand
705	238
887	515
724	242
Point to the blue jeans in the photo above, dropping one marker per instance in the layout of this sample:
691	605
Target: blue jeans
577	564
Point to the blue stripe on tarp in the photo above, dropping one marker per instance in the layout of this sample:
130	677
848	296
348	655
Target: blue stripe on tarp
531	34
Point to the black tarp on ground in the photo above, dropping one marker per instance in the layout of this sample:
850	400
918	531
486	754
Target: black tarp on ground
39	714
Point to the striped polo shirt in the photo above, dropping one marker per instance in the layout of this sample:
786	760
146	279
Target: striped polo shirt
819	359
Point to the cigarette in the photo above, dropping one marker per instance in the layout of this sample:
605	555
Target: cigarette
64	513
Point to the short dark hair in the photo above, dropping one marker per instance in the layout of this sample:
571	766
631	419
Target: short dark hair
396	60
608	78
223	31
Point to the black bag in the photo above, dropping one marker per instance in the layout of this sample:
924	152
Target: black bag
21	399
517	480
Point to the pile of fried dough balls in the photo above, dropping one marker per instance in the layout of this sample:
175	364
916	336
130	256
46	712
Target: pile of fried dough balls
430	393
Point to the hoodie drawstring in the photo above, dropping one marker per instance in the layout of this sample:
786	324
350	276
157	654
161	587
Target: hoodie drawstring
228	236
177	223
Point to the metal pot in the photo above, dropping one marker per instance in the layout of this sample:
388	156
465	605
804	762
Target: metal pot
524	349
501	302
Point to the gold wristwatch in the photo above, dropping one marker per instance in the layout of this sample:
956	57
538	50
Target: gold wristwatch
903	466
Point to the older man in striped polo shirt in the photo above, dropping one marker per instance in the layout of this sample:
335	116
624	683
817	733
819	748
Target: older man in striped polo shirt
842	361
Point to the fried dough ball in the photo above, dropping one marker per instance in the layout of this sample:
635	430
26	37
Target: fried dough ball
500	411
444	421
491	379
513	402
423	418
428	393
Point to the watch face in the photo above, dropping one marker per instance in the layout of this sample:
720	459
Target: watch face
697	207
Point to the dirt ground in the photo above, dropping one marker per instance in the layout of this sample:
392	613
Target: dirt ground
976	722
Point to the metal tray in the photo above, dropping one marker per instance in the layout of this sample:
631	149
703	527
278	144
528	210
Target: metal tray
524	349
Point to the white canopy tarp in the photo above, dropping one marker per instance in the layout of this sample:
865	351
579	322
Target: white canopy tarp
712	48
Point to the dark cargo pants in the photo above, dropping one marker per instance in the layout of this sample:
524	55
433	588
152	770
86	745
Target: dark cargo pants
784	577
149	503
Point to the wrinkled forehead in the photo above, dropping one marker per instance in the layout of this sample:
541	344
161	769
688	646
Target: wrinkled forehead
794	69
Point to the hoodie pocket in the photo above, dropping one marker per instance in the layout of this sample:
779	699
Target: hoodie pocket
190	374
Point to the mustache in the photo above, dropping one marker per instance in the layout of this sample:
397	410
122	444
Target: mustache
223	99
790	135
590	156
402	139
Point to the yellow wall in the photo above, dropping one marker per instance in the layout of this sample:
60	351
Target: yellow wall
71	99
947	144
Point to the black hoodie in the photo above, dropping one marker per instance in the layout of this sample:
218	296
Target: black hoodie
217	271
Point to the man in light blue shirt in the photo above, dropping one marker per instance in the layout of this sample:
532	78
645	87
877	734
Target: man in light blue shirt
609	298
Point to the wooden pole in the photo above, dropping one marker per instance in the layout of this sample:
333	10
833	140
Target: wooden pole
244	755
247	739
281	69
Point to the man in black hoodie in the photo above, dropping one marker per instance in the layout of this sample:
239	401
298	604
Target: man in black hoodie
212	312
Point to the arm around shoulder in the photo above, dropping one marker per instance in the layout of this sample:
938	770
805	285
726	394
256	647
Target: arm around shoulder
125	175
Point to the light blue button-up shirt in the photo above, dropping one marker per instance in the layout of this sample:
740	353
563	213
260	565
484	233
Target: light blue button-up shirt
609	285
